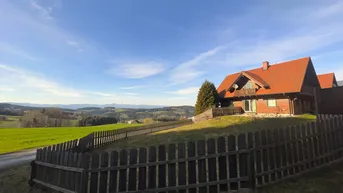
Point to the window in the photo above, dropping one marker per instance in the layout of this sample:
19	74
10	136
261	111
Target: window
248	85
271	103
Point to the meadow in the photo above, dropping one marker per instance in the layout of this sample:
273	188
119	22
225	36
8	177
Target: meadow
11	122
15	139
220	126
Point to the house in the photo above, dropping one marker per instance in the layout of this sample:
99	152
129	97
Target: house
327	80
289	88
340	83
3	118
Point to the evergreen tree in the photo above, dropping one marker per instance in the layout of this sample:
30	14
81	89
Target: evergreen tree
207	97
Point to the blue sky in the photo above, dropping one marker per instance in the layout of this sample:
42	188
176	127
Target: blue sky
154	52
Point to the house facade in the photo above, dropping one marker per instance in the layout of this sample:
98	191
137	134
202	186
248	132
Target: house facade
289	88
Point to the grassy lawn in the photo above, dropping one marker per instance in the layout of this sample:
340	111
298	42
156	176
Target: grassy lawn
15	139
220	126
325	180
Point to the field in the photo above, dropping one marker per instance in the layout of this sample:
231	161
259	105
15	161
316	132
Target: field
12	122
15	139
220	126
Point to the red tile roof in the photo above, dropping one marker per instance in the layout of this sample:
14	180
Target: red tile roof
285	77
326	80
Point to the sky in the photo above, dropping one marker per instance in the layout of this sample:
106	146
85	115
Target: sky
154	52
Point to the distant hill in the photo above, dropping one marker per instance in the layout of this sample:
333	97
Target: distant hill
122	114
78	106
340	83
14	109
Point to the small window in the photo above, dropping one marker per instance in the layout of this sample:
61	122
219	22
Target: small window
248	85
271	103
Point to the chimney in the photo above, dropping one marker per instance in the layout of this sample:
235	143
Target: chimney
265	65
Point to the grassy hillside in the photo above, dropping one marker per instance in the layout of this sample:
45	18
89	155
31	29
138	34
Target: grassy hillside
15	139
220	126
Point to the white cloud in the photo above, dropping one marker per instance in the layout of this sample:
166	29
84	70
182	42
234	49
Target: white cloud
187	71
186	91
132	87
12	50
131	93
137	70
25	80
103	94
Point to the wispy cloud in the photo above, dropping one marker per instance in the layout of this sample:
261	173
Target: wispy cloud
44	12
75	45
103	94
187	70
137	70
10	49
4	88
131	93
19	78
132	87
186	91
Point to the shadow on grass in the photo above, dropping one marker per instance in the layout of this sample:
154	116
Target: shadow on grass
328	179
221	126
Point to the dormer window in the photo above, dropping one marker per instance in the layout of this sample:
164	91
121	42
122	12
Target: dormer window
248	85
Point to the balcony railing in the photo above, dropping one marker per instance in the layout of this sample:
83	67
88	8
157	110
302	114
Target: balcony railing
245	92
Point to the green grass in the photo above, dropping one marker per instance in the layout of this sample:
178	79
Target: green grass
11	122
325	180
15	139
220	126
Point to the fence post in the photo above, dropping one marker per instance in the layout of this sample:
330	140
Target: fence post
33	173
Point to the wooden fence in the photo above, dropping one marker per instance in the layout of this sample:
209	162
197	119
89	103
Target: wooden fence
248	160
216	112
103	138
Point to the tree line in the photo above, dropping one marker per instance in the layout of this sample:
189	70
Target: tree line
97	120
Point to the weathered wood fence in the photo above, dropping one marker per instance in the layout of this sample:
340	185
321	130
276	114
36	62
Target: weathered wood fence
248	160
103	138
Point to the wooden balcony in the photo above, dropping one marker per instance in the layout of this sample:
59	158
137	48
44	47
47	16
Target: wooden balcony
245	92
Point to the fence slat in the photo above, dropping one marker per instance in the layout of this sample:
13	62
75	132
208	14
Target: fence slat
78	175
162	175
277	153
103	175
123	172
142	173
265	156
65	176
243	160
300	145
258	160
94	175
191	166
133	171
223	164
271	154
113	173
182	166
212	165
74	174
172	167
202	174
295	149
233	165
